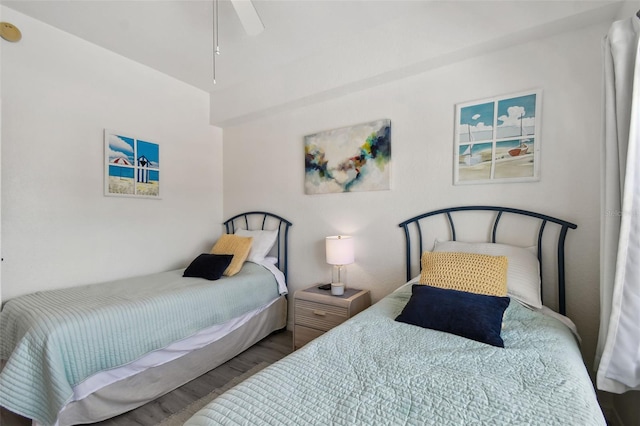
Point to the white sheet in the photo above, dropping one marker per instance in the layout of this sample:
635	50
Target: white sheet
282	285
162	356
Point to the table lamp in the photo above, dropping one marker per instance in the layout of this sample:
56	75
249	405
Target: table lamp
339	250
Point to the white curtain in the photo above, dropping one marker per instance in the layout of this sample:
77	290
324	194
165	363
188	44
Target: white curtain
618	352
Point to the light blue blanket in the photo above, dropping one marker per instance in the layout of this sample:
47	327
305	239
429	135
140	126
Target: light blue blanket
373	370
53	340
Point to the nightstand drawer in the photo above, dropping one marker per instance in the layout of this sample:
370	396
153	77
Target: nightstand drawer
318	315
317	311
304	335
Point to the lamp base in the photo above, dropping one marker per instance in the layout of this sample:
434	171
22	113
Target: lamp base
339	275
337	289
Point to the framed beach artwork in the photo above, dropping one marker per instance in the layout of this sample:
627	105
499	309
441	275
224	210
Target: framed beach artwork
348	159
132	166
498	139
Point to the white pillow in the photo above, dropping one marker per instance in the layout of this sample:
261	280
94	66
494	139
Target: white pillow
523	270
263	241
271	259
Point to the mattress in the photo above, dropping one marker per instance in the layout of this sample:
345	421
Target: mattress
373	370
54	340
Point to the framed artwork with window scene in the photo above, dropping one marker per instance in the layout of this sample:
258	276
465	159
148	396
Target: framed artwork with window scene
132	166
497	140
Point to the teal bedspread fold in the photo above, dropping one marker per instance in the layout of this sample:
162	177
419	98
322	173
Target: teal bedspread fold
372	370
53	340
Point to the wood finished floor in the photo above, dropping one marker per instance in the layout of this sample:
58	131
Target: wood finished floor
270	349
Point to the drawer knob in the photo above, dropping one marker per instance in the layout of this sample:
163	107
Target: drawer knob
320	313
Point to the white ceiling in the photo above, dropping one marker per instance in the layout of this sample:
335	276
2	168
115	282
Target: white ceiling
310	50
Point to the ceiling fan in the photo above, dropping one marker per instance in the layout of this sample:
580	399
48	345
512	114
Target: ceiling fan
249	19
248	15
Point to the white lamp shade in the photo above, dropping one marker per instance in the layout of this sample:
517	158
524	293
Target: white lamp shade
339	250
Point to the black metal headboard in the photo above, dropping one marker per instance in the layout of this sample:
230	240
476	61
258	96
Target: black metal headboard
544	219
257	220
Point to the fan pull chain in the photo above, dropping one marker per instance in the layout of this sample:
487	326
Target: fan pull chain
216	47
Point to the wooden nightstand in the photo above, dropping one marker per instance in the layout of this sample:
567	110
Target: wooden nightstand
317	311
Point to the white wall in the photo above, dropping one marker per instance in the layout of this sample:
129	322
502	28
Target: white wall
264	166
58	229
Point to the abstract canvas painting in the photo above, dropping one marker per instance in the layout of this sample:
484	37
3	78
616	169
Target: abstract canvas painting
498	139
132	166
348	159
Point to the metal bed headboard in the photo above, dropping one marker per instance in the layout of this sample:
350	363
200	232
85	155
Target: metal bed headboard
544	219
257	220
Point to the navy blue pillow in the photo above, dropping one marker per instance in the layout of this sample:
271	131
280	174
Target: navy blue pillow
474	316
209	266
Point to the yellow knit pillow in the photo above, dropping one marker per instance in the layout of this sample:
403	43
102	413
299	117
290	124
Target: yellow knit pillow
470	272
237	246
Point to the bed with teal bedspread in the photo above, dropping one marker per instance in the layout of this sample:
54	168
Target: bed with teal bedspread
376	370
373	370
53	340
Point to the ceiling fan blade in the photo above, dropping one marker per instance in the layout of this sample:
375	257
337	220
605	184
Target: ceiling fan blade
248	16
